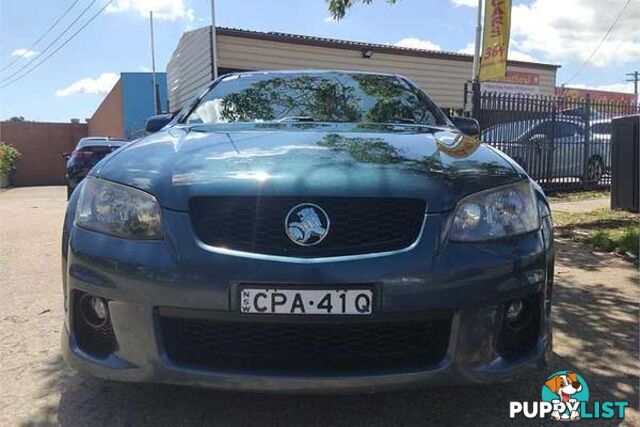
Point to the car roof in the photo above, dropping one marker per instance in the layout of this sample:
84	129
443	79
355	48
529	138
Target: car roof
100	141
310	71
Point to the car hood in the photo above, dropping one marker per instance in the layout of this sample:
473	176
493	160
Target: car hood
435	164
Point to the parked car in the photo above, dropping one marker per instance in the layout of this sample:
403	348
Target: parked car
583	114
550	149
88	152
308	231
601	129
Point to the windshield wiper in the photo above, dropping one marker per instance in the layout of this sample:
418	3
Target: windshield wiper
295	119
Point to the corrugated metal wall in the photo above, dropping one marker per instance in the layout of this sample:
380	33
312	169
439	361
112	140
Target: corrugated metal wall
189	70
442	79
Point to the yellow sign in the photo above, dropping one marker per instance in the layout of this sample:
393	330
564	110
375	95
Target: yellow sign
495	40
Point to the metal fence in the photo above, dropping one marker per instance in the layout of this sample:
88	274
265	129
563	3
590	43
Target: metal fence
562	143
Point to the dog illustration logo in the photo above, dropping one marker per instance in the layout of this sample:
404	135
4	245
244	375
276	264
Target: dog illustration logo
307	224
565	397
566	390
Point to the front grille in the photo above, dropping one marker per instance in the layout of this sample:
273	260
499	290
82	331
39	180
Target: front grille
306	348
358	225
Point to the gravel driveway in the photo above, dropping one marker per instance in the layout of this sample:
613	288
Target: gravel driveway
596	335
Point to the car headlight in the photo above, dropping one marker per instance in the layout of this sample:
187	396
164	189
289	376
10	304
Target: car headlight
118	210
492	214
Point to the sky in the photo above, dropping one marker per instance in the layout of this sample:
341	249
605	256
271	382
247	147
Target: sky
74	80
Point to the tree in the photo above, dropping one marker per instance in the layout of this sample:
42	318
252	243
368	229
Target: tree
394	102
9	158
17	119
320	99
338	8
364	150
328	97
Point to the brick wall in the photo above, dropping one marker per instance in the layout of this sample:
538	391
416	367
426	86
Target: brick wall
41	146
108	119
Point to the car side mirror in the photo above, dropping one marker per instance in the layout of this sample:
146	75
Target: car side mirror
467	125
66	156
155	123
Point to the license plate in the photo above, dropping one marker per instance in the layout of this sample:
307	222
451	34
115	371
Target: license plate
306	301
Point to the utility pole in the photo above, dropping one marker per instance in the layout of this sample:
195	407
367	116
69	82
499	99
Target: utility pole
153	67
635	77
214	44
478	47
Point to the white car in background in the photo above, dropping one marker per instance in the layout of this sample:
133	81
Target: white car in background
550	149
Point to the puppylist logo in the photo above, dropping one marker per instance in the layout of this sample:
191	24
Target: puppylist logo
565	397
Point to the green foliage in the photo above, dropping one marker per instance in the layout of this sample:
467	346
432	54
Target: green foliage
9	158
378	151
597	219
578	196
318	98
603	229
393	103
619	240
365	150
338	8
331	98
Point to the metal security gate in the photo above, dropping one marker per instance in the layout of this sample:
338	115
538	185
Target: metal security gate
625	153
562	143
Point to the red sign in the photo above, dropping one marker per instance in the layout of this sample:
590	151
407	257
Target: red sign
597	95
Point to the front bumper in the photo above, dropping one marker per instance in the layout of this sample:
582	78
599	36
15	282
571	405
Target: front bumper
142	280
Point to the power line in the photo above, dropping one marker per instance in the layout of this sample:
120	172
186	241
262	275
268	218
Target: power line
94	16
602	40
42	36
52	42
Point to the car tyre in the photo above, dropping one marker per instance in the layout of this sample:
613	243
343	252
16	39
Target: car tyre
69	192
595	170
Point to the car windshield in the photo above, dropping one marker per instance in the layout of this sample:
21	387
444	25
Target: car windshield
95	142
315	97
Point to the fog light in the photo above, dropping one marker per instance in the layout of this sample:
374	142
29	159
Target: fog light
514	310
94	310
99	308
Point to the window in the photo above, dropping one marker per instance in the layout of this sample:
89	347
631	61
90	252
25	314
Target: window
567	130
542	130
320	97
603	128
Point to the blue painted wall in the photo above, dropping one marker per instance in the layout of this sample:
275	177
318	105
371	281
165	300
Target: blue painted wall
137	100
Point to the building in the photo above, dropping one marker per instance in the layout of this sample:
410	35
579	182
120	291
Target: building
124	111
441	74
